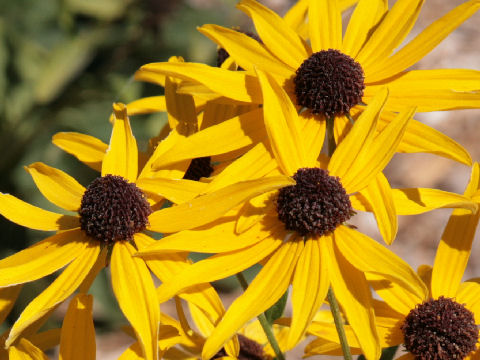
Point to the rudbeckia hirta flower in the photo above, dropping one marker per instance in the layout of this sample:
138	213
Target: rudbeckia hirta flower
333	76
440	323
111	212
300	233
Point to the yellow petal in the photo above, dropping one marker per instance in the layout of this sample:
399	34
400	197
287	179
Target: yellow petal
25	350
33	217
236	85
58	187
415	201
206	208
283	126
296	15
233	134
432	90
389	34
101	263
275	33
426	41
267	287
175	190
469	294
247	52
455	246
218	267
325	25
352	291
359	137
147	105
121	157
312	135
46	340
379	198
365	17
369	256
309	288
8	296
130	276
42	258
78	335
63	286
86	148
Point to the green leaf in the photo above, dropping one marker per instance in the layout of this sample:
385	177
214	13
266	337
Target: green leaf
276	311
103	10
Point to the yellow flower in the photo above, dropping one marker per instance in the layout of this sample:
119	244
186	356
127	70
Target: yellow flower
287	231
441	322
111	212
334	76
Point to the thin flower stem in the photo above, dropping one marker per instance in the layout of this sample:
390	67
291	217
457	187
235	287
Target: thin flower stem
349	117
267	328
330	136
337	317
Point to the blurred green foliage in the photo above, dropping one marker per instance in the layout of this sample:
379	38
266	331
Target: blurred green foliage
62	65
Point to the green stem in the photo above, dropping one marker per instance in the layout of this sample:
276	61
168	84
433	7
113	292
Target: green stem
337	317
330	136
267	328
349	117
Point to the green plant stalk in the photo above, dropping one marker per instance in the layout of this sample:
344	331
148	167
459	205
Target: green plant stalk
267	328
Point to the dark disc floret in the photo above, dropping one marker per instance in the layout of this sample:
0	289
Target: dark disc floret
249	350
440	329
315	205
199	167
329	82
113	209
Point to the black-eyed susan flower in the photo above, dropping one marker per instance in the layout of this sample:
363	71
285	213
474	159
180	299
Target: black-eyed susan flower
440	323
333	76
299	233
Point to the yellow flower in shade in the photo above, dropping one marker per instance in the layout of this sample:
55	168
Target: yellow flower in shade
111	212
335	76
298	233
439	323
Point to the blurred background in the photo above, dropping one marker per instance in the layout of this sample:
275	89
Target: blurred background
64	62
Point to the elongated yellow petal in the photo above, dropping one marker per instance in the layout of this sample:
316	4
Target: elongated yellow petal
267	287
236	85
122	154
8	296
455	246
312	135
233	134
379	196
423	43
130	276
147	105
275	33
206	208
469	294
42	258
78	335
325	25
352	291
309	289
175	190
369	256
101	263
365	17
297	14
25	350
218	267
86	148
415	201
246	51
63	286
389	34
283	126
373	159
33	217
46	340
58	187
360	136
432	90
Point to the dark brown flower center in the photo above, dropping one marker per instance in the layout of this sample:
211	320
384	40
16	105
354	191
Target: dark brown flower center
249	350
199	167
440	329
315	205
113	209
329	82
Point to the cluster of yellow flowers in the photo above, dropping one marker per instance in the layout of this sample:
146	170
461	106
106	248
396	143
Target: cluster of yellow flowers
264	160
